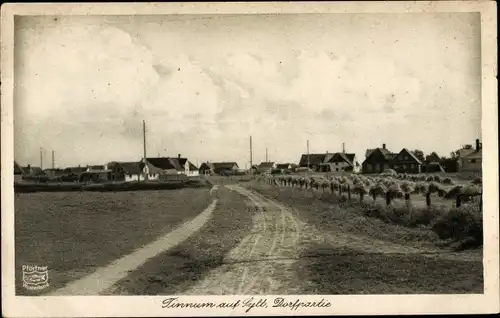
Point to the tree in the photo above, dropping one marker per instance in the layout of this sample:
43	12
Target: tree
432	157
419	154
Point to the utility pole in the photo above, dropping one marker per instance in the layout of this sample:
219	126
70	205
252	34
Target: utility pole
343	147
266	156
144	137
251	161
308	161
53	159
41	158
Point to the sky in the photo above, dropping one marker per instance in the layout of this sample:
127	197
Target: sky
205	84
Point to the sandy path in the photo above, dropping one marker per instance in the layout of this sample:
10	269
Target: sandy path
262	262
105	277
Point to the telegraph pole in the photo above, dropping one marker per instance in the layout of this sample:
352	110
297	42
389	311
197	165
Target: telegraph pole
53	159
308	161
251	161
266	156
144	137
41	158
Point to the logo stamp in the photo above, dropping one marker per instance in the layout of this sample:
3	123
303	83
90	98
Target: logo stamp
35	277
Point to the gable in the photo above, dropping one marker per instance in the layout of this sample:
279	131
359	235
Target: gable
405	155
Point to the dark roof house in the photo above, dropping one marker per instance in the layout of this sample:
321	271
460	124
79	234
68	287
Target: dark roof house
17	169
171	163
378	160
314	159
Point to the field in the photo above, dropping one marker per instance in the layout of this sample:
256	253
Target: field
264	235
451	207
74	232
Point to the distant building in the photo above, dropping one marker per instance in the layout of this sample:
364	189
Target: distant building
406	162
341	161
173	165
377	160
286	167
266	167
131	171
18	172
330	162
219	168
470	159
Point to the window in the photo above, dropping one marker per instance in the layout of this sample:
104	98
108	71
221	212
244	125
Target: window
130	175
337	169
396	166
412	166
473	160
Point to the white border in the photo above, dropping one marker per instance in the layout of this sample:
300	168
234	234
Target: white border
110	306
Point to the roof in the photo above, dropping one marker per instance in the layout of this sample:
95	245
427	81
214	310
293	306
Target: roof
266	165
223	165
182	162
75	169
285	165
165	163
17	168
315	158
96	167
412	155
346	157
130	167
33	170
474	154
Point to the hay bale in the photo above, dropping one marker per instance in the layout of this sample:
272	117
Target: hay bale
437	178
447	180
477	181
378	189
456	190
472	190
407	187
389	172
360	189
395	191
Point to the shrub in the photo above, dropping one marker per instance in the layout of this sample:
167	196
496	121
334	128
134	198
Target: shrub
460	223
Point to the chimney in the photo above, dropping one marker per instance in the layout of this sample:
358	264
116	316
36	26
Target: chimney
477	145
343	147
383	146
179	156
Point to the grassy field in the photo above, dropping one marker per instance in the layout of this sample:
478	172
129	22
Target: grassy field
331	269
324	210
74	232
176	270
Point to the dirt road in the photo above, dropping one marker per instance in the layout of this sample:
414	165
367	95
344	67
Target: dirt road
265	261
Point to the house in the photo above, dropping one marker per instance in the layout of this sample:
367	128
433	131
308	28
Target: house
172	165
54	173
341	161
132	171
286	167
72	174
265	167
406	162
220	168
316	162
377	160
95	176
18	172
96	168
470	159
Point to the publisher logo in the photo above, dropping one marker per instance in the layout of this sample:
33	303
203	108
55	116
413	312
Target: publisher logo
35	277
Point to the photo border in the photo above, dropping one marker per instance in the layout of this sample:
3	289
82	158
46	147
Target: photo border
144	306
